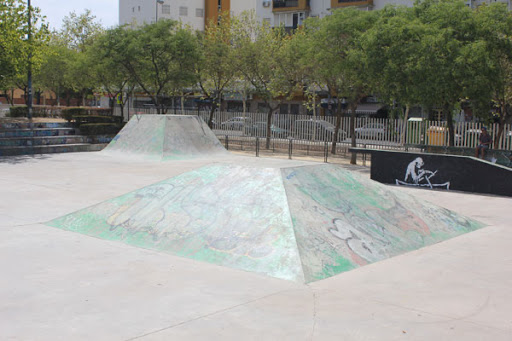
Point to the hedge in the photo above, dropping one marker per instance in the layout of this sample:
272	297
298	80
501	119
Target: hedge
69	113
22	111
100	128
84	119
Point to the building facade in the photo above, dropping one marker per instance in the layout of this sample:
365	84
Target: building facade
140	12
288	13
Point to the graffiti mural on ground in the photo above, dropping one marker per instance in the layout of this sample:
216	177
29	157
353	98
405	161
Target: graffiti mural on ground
343	220
302	224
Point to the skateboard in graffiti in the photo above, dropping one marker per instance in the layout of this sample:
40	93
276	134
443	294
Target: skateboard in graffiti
416	175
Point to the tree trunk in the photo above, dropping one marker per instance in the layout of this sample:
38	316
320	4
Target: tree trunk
404	125
353	157
212	112
269	126
244	101
337	127
501	126
449	120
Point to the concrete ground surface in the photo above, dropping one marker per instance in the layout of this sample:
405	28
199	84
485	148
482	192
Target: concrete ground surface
60	285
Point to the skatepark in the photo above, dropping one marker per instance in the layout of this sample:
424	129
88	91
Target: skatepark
159	238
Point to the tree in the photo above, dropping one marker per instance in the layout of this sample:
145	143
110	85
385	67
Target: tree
217	66
161	58
339	61
394	51
489	75
15	47
54	72
78	35
447	70
80	30
109	76
260	51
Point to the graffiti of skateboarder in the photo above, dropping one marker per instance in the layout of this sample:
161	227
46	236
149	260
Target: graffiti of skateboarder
417	176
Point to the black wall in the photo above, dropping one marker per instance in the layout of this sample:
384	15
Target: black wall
464	173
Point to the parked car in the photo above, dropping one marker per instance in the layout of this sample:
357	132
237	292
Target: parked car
372	131
316	130
235	123
259	129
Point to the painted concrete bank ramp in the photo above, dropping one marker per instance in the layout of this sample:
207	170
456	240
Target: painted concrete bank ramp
166	137
303	223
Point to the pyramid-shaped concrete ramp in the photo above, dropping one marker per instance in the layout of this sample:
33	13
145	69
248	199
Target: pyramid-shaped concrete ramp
164	137
303	223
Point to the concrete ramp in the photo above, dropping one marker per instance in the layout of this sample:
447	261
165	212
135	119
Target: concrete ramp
301	224
166	137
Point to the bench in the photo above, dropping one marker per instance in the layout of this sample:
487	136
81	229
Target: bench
363	151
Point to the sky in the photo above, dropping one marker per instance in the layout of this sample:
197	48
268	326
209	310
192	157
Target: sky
106	11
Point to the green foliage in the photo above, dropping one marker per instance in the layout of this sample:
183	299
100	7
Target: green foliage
100	128
69	113
89	115
22	111
18	111
161	58
86	119
15	48
79	31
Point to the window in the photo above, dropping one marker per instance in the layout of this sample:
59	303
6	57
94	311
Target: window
199	12
133	9
166	9
139	8
183	11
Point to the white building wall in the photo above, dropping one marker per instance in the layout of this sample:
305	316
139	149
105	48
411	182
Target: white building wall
379	4
320	8
140	12
263	12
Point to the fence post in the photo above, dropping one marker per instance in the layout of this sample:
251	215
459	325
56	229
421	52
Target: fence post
257	146
227	142
326	151
290	147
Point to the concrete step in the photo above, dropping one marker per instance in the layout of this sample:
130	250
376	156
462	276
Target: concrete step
62	148
41	125
37	132
42	141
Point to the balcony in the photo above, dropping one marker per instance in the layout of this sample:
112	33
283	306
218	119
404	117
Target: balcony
290	5
285	3
344	3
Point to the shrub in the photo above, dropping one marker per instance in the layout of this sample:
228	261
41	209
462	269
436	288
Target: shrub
68	113
100	128
18	111
84	119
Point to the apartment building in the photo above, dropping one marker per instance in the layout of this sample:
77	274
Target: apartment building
140	12
287	13
199	13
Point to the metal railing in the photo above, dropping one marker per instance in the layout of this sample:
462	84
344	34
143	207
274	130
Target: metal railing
310	136
285	3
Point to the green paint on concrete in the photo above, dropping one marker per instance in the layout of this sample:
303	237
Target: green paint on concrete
301	224
340	265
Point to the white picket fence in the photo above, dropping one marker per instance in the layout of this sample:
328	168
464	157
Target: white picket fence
371	132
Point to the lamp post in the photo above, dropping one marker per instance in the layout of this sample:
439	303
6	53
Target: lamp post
29	82
156	6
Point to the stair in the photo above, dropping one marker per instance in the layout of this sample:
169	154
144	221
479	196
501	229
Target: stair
45	138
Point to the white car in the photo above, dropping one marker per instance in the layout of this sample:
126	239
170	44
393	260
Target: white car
371	131
235	123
